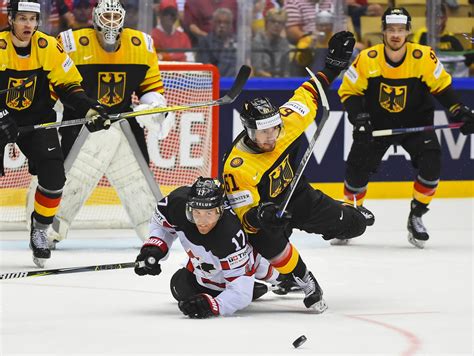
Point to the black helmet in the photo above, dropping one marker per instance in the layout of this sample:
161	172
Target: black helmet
396	15
15	6
206	193
259	113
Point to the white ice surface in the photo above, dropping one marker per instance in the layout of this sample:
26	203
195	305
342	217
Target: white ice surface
384	296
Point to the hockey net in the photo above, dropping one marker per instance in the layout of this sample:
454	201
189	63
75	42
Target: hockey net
177	157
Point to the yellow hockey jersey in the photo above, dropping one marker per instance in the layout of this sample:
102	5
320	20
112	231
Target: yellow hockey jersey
50	67
111	78
396	96
251	176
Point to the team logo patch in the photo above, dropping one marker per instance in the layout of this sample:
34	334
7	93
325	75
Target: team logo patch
392	98
83	40
372	54
236	162
136	41
42	42
417	54
280	177
111	87
3	44
20	99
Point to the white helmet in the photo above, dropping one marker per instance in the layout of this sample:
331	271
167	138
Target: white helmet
108	19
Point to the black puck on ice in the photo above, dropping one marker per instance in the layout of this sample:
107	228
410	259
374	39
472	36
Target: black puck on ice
299	341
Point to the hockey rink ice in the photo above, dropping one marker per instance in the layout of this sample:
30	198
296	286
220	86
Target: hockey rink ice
385	296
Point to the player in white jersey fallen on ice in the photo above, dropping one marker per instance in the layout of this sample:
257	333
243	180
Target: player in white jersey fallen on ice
219	278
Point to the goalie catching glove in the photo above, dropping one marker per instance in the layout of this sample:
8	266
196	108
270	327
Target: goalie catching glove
153	250
199	306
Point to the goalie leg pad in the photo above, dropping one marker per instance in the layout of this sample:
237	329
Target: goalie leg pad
91	160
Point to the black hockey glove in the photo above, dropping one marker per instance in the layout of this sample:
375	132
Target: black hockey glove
463	113
362	128
340	50
152	251
8	128
267	216
199	306
98	117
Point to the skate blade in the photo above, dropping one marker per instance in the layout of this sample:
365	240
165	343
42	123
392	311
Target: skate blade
39	261
417	243
52	245
339	242
319	307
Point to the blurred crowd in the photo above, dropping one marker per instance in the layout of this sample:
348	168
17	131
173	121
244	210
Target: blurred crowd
286	35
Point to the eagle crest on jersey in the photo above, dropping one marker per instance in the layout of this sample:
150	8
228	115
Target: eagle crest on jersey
280	177
22	98
392	98
111	88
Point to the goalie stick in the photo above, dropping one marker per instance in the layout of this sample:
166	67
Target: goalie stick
309	150
402	130
229	98
48	272
19	87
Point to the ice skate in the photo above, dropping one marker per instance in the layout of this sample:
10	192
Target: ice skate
259	289
339	242
368	215
313	292
286	285
417	233
39	243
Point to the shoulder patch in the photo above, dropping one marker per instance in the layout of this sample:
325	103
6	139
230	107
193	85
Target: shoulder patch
149	42
42	42
372	54
136	41
236	162
67	39
3	44
417	54
352	74
297	107
84	40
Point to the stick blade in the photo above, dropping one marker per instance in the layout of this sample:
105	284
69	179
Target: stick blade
239	83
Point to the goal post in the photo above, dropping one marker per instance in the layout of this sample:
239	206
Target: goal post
186	149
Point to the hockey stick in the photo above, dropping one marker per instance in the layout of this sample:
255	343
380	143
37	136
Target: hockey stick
309	150
231	95
18	87
48	272
398	131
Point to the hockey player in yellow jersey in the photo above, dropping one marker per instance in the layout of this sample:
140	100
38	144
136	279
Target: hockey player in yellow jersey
28	54
115	63
390	86
261	164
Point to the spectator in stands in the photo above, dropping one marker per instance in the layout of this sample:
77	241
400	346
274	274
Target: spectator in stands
447	41
168	34
3	14
219	46
131	7
260	8
269	48
358	8
198	16
82	11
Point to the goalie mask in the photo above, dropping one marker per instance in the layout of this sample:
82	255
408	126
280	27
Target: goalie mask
108	19
260	116
205	201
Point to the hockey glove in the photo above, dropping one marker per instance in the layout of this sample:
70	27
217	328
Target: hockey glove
152	251
199	306
98	117
8	128
340	50
267	216
463	113
362	128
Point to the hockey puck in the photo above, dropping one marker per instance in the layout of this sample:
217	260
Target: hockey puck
299	341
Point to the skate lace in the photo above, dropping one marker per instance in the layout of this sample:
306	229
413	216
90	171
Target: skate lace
417	224
39	238
308	287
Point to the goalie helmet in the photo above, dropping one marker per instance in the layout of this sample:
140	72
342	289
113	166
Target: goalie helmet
108	19
396	15
259	114
206	193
